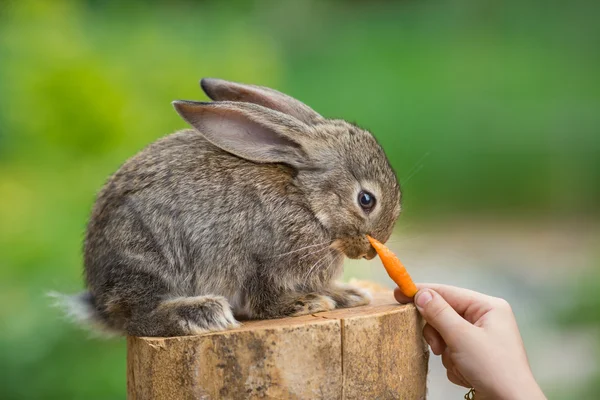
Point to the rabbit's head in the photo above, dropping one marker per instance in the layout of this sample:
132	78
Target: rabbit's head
341	169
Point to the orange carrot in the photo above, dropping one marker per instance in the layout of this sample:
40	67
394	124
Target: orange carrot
394	268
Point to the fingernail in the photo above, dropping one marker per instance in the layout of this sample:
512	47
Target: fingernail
422	299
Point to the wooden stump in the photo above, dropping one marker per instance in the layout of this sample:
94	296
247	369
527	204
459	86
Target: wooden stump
370	352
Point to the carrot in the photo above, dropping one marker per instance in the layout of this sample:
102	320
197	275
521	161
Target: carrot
394	268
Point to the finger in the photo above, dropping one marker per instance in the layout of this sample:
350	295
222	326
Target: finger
447	361
434	339
467	303
438	313
401	298
452	377
452	372
458	298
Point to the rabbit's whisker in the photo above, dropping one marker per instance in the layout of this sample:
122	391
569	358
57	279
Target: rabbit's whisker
333	261
314	252
310	270
419	168
415	168
300	249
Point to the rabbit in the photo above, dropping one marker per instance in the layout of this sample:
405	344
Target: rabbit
248	215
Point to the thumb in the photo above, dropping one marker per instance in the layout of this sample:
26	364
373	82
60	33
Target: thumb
439	314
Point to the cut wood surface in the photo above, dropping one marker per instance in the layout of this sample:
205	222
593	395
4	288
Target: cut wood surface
369	352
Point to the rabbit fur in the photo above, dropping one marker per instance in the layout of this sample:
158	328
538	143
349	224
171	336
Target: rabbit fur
248	215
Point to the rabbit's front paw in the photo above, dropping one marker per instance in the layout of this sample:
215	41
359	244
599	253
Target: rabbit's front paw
311	303
347	296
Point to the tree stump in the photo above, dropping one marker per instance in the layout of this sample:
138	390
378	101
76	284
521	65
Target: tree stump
371	352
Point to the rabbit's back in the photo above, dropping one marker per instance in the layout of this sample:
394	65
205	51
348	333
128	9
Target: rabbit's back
195	216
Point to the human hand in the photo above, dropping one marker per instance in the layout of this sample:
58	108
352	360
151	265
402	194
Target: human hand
478	338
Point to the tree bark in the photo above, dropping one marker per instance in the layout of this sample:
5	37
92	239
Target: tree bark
370	352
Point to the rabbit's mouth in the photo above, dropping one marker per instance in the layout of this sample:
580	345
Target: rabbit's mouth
371	254
355	247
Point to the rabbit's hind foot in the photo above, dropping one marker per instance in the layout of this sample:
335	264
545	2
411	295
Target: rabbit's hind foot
199	314
346	296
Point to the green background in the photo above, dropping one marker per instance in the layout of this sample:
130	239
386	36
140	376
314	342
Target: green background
484	108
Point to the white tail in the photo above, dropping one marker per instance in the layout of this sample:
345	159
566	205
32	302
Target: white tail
79	308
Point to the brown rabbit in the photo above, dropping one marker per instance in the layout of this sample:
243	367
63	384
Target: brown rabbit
250	213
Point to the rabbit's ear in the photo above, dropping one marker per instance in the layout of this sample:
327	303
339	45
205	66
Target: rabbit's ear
247	130
220	90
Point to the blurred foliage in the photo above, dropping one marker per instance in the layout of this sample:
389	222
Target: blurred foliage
482	106
581	311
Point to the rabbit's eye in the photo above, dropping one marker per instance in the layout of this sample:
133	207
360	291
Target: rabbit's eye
366	200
